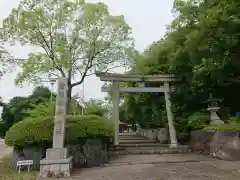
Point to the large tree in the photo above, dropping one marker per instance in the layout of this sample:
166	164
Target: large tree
76	39
201	47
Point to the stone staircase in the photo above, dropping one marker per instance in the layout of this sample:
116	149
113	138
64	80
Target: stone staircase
131	143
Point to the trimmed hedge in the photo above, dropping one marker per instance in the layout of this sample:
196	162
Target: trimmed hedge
38	130
224	127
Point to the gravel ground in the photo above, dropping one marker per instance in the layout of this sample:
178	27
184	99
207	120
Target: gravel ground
165	171
165	168
157	167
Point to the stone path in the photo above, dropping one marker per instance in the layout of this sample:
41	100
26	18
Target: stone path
164	167
4	150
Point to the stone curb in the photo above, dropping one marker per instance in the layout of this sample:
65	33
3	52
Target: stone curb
151	162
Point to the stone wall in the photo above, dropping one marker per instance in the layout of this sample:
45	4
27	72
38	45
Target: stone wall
200	141
160	135
92	152
219	144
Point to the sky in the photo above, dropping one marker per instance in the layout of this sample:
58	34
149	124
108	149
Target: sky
148	19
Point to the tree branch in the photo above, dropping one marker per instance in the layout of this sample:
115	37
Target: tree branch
80	82
91	56
50	52
89	65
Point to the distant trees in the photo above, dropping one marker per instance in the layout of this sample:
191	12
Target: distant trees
95	107
37	104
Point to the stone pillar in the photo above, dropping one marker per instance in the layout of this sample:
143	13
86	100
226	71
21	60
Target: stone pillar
115	114
172	131
57	163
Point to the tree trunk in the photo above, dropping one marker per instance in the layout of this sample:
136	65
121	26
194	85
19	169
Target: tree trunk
69	96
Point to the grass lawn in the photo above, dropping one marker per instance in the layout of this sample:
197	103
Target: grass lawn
6	173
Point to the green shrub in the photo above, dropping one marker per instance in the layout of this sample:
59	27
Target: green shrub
234	119
198	120
38	130
224	127
94	109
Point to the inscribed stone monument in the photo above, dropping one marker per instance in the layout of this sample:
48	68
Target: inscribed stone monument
57	163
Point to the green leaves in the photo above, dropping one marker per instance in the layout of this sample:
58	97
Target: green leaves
198	120
76	38
18	108
36	131
94	108
201	48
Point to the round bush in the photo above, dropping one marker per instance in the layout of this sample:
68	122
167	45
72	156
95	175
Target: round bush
38	130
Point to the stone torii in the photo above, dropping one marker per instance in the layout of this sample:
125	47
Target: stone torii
141	79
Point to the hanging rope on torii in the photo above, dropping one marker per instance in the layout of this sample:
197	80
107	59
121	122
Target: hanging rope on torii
166	79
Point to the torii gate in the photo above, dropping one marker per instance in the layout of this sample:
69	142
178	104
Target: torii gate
115	89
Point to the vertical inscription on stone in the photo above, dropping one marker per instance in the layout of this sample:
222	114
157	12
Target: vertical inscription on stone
59	111
60	114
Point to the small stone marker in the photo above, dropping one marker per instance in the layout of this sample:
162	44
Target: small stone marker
24	163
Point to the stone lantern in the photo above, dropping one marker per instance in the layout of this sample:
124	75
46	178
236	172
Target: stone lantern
213	108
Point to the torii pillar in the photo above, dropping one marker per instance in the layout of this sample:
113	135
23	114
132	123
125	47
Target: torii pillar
172	131
115	112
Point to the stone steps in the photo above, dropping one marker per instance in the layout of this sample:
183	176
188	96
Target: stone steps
136	141
128	134
148	144
132	138
159	150
131	143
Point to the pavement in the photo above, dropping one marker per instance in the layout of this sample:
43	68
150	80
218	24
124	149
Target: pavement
156	167
163	167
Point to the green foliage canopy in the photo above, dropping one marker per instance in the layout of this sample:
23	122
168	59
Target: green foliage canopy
201	47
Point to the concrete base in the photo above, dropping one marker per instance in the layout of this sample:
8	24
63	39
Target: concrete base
173	146
56	168
57	153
